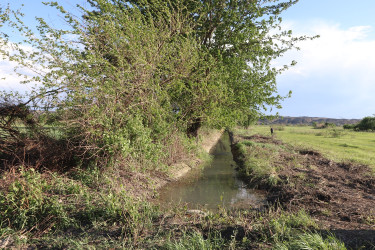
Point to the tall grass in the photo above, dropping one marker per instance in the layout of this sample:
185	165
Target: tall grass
258	163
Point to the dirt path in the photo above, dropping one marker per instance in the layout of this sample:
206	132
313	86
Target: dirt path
340	196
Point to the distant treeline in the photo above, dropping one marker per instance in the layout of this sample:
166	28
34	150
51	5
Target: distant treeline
304	120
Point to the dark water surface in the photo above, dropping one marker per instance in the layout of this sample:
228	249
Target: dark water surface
217	184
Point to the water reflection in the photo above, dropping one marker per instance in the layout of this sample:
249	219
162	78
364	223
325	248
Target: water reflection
216	185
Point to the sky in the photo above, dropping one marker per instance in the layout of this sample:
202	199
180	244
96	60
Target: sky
334	76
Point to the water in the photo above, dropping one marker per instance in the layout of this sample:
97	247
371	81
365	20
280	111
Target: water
216	185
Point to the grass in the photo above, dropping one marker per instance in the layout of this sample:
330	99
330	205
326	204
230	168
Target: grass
334	143
257	163
311	241
195	240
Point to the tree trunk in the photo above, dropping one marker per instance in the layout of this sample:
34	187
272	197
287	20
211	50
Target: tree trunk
192	130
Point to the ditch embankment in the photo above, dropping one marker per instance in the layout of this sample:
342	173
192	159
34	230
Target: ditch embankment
340	196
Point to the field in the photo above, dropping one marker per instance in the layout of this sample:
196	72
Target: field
310	169
334	143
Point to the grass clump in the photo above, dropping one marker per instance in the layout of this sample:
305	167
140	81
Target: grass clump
284	225
257	163
311	241
295	231
195	240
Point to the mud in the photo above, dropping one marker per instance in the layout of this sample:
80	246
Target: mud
340	196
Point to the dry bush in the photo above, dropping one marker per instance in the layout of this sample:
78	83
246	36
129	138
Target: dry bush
24	142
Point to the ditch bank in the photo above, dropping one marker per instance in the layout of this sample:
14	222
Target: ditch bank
206	140
339	196
146	185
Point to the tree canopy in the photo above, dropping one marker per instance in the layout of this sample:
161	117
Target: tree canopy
129	75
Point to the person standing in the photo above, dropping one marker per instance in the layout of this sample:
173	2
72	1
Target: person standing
271	130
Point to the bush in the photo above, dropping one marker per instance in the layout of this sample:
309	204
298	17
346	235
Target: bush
323	125
349	126
366	124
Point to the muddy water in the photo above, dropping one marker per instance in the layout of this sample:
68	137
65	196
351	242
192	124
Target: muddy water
216	185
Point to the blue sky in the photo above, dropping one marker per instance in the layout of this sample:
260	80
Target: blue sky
335	74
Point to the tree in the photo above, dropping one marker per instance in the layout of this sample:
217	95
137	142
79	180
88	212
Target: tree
129	74
367	123
241	39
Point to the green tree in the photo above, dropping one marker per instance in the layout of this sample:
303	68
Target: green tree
241	39
127	76
108	78
367	123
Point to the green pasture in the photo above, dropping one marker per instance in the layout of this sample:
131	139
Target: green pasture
334	143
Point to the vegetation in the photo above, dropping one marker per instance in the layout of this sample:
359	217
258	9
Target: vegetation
117	96
323	125
366	124
258	161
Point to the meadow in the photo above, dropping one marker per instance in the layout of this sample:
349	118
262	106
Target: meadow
335	143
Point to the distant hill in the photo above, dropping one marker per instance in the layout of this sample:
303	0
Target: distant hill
304	120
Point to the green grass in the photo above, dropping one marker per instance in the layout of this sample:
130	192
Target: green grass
334	143
256	163
195	240
311	241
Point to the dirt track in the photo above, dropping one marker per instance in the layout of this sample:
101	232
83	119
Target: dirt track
340	196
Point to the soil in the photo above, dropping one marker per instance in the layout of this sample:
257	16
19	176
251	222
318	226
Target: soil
340	196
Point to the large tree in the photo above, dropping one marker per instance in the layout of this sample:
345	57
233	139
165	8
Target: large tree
239	39
127	75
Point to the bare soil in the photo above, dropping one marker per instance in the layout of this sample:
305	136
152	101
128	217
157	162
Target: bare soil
340	196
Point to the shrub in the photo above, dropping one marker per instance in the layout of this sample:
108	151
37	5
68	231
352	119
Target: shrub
366	124
349	126
323	125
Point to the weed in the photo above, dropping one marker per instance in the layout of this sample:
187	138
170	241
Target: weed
195	240
256	163
285	225
25	205
311	241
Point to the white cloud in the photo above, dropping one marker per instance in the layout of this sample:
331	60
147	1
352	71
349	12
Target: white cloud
339	65
337	49
9	80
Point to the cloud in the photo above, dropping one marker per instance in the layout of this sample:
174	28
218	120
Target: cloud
338	66
336	49
9	80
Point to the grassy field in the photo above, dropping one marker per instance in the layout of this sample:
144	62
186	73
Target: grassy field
334	143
